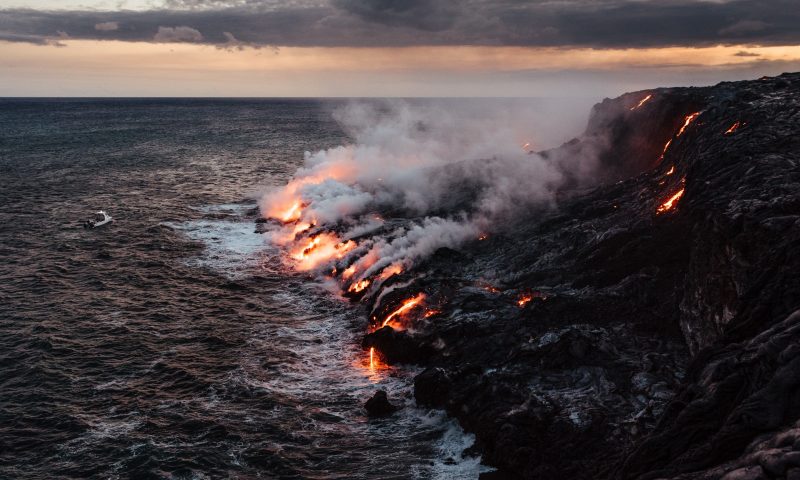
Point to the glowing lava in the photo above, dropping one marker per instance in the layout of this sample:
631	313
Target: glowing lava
321	249
359	286
524	299
671	170
733	128
293	213
372	357
303	253
664	152
406	306
387	272
348	272
642	102
670	203
689	119
286	236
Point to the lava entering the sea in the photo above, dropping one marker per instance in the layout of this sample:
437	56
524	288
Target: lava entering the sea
293	213
319	249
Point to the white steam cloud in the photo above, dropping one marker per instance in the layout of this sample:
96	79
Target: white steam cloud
419	177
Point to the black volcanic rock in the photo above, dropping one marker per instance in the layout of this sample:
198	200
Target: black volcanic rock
396	346
432	388
658	344
379	406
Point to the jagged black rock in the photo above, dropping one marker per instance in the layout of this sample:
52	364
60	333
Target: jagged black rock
657	345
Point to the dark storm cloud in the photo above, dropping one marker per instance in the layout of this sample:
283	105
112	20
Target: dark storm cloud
586	23
423	15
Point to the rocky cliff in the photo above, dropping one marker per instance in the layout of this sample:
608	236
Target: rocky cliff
645	328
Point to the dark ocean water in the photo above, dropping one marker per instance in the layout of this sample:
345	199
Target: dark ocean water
173	343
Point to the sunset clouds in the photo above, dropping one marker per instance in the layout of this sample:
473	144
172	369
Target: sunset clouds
503	41
354	23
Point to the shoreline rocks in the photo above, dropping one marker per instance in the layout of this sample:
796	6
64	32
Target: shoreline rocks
665	343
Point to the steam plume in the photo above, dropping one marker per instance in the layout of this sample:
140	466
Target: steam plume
415	179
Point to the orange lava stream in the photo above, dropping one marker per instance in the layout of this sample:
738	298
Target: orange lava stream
359	286
387	272
524	299
348	272
321	249
642	102
293	213
406	306
733	128
671	170
664	152
671	202
689	119
304	252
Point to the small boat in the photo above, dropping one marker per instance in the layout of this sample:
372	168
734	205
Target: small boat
98	220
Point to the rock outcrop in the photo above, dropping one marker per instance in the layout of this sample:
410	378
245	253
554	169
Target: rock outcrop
621	335
379	406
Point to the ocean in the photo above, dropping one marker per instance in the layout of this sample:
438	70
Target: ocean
175	343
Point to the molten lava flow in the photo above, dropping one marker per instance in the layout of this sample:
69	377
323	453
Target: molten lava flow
483	236
359	286
387	272
286	236
733	128
286	204
670	203
293	213
664	152
304	252
431	312
644	100
348	272
406	306
375	364
671	170
524	299
689	119
321	249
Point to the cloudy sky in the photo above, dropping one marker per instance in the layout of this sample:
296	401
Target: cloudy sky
388	47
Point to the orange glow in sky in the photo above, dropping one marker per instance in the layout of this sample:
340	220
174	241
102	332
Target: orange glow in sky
111	68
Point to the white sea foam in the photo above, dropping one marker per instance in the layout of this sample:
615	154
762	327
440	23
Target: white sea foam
232	247
310	365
